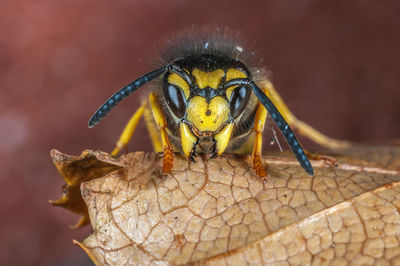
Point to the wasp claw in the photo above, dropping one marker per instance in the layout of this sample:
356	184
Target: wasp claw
259	168
214	152
191	158
193	154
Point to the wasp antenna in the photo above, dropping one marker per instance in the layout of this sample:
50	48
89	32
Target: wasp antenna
123	93
284	128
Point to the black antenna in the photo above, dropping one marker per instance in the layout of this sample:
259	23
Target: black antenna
279	121
122	94
284	128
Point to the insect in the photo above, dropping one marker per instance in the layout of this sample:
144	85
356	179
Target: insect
208	101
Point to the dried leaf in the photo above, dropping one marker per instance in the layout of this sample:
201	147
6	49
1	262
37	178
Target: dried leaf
75	170
217	212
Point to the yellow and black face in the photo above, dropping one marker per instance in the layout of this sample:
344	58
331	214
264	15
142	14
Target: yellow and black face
198	93
206	102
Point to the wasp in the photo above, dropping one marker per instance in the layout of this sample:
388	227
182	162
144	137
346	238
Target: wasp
208	99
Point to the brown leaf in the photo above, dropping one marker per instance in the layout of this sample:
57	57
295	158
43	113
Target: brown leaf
75	170
217	212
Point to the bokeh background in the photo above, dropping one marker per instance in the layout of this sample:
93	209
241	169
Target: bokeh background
336	64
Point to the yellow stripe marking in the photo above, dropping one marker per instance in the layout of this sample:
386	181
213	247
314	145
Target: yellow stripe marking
207	117
187	139
210	79
177	80
229	91
223	137
233	73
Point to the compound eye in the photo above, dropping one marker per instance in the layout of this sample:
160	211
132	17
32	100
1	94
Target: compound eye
239	99
175	99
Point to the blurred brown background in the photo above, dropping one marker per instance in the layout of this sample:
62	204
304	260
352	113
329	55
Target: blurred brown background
336	65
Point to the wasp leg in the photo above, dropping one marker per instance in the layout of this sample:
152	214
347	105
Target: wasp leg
128	131
327	160
299	125
259	122
152	129
162	124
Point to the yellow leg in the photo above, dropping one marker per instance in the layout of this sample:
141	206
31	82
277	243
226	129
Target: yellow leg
259	122
162	124
153	130
299	125
128	130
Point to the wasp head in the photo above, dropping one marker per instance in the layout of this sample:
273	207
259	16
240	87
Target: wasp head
197	92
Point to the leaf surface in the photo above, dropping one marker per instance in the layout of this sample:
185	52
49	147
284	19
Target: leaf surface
218	212
76	170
